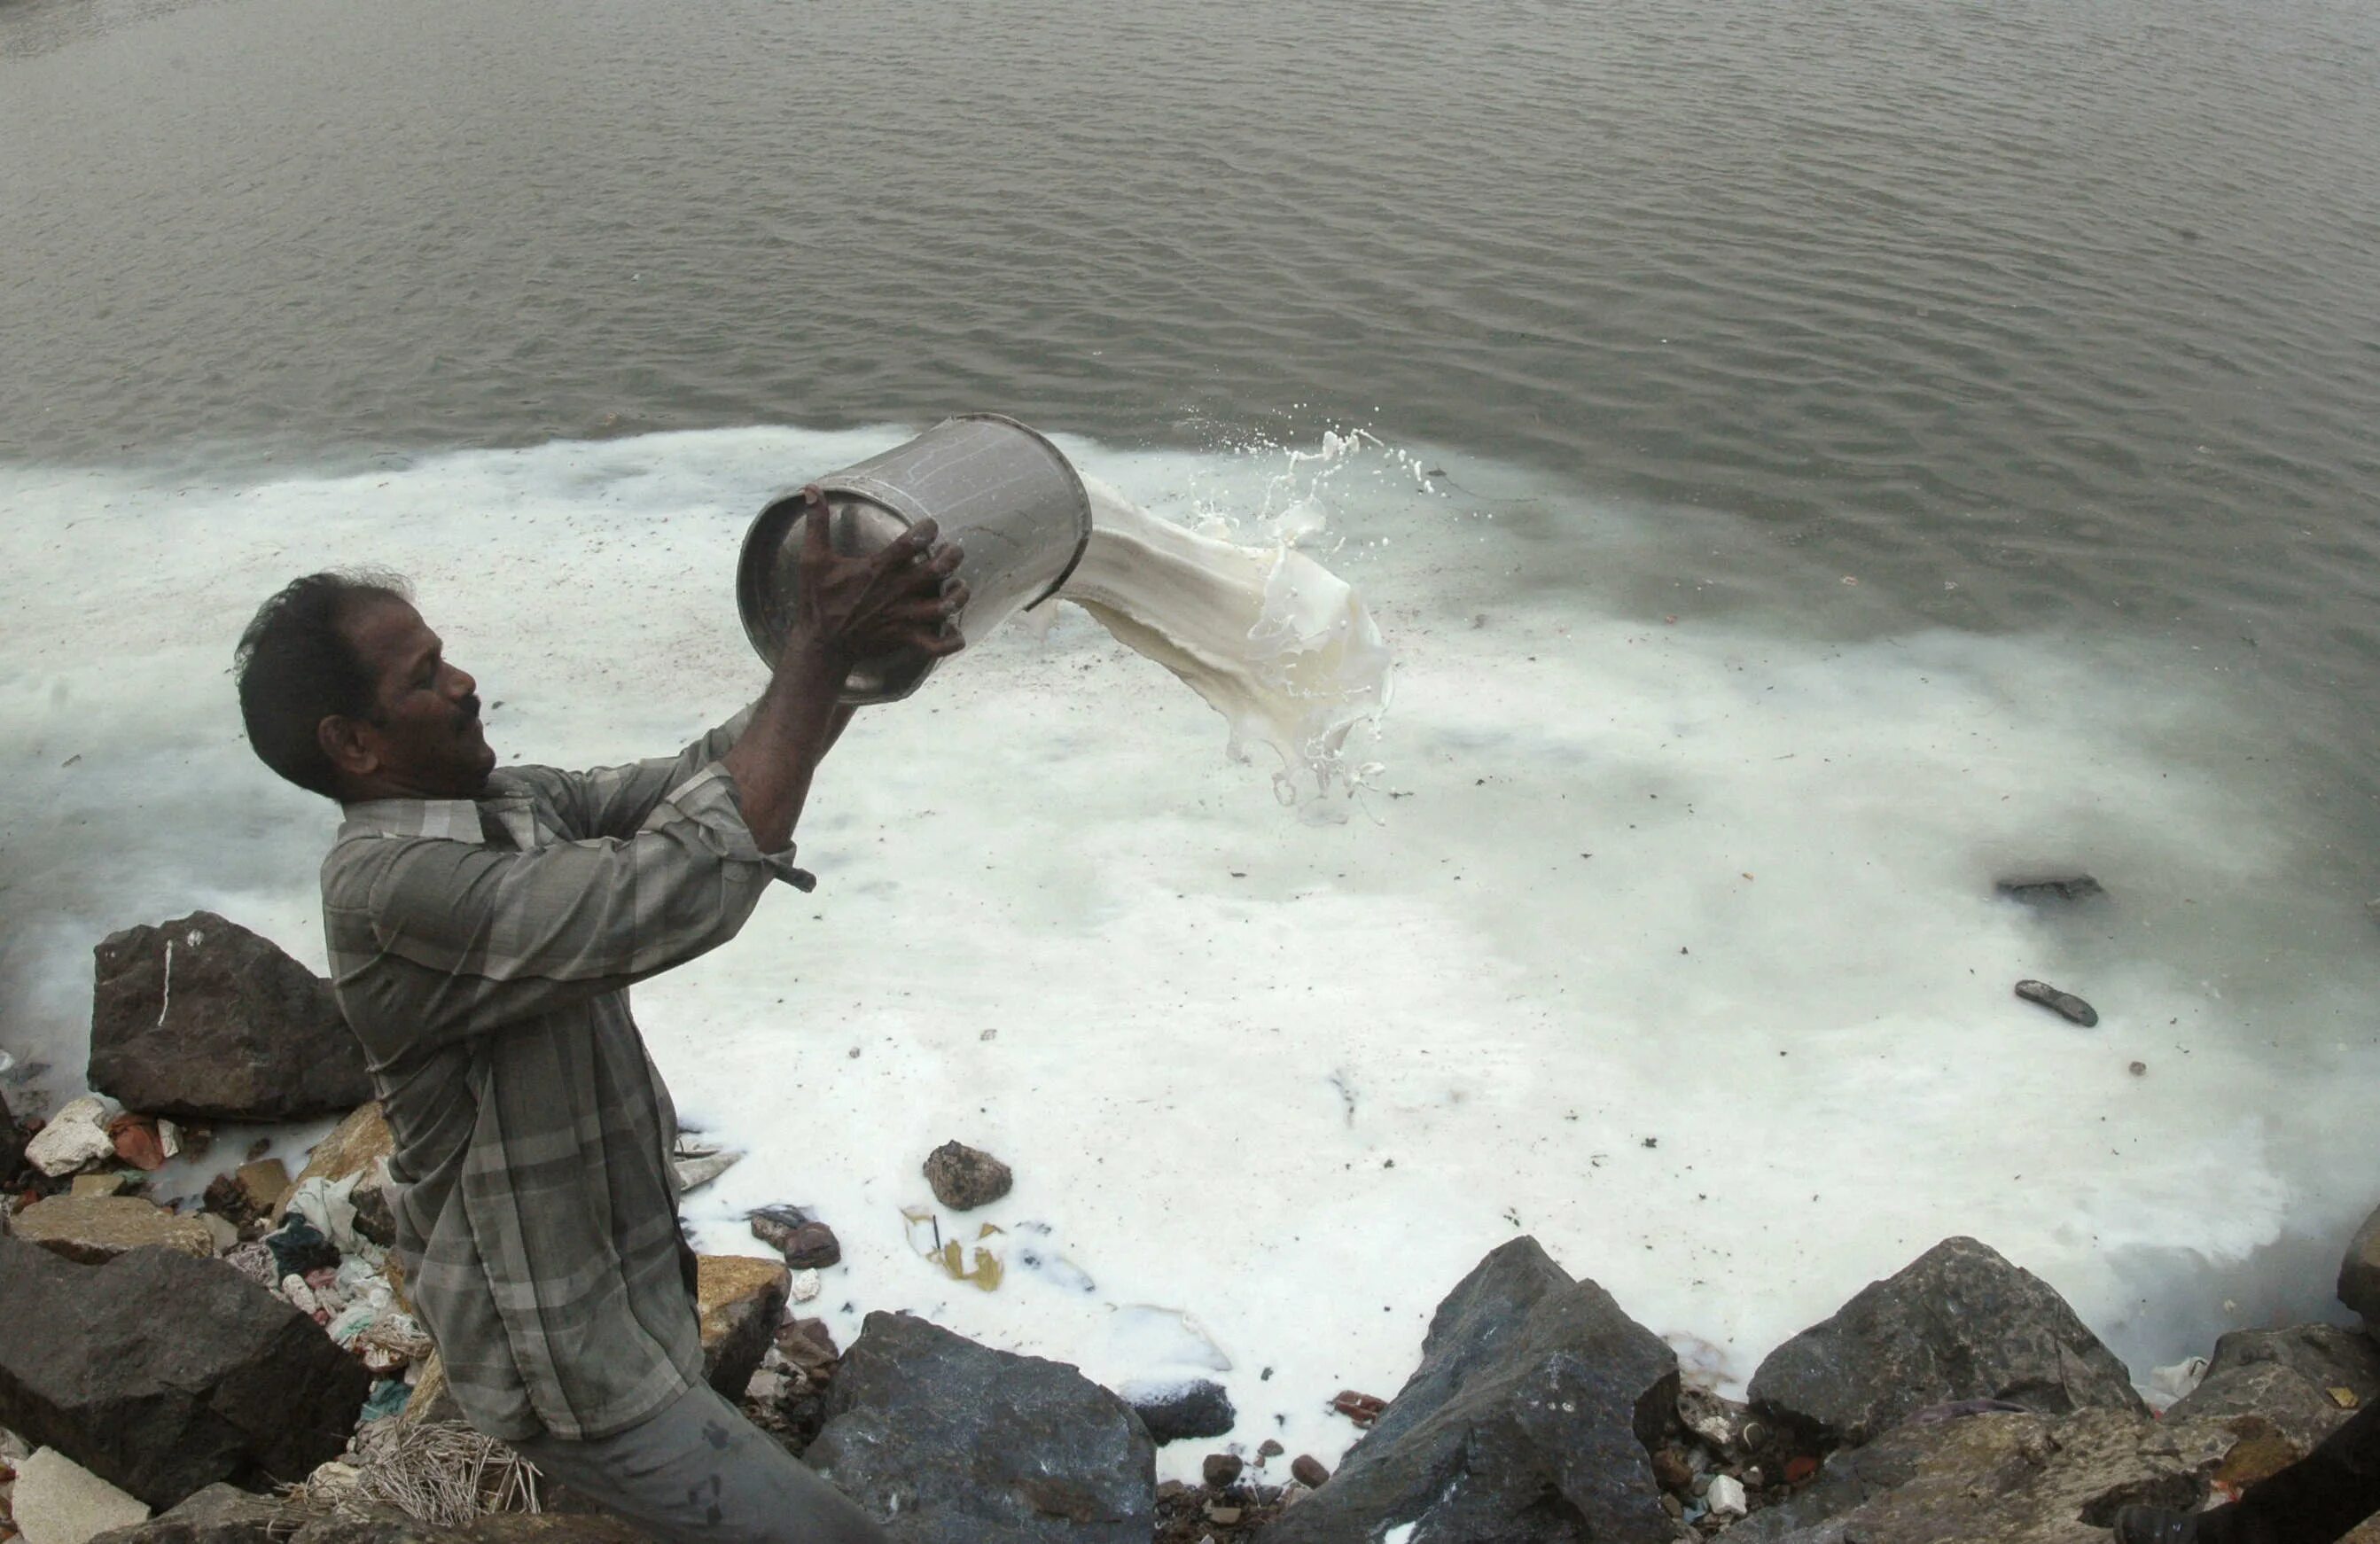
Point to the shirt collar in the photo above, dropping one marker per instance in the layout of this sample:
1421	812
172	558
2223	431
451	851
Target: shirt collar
450	820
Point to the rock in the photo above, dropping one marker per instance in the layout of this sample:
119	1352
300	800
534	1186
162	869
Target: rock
2006	1479
218	1514
431	1400
1184	1410
1307	1470
807	1242
73	1138
740	1301
945	1441
95	1229
104	1183
201	1018
354	1149
2063	1003
259	1188
374	1221
1958	1323
2285	1376
143	1141
1528	1421
502	1527
2052	892
163	1374
12	1142
59	1501
1671	1472
1726	1497
964	1179
1221	1470
2359	1273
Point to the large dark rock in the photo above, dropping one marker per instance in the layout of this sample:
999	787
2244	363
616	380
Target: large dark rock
503	1527
163	1374
1195	1409
2285	1377
1959	1323
945	1441
2002	1478
1527	1423
219	1514
2359	1273
201	1019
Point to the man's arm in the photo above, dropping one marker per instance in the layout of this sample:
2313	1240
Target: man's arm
903	596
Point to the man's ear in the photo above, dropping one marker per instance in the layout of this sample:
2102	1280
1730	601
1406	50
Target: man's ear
350	744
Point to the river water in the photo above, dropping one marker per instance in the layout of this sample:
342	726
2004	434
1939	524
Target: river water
1820	460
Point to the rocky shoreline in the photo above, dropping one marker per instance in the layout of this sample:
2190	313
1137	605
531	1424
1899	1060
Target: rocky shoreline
245	1368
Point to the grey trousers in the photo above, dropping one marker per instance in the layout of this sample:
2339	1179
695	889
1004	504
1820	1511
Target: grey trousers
699	1473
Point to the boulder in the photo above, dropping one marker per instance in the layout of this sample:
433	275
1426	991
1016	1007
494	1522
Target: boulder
963	1178
198	1018
94	1229
58	1502
219	1514
2285	1377
257	1190
1184	1410
73	1138
355	1149
1958	1323
2009	1478
2358	1273
945	1441
740	1301
1527	1422
163	1374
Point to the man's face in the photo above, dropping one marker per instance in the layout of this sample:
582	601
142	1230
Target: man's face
423	738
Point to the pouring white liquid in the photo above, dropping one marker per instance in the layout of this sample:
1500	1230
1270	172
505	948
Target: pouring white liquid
1282	646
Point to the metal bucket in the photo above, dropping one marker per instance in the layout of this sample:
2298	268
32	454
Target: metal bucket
998	489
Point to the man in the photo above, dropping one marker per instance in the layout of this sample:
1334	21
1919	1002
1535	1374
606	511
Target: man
483	929
2314	1501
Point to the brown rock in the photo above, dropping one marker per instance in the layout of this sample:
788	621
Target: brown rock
1307	1470
1670	1471
964	1178
263	1187
809	1345
740	1301
807	1242
354	1146
1221	1470
108	1183
95	1229
1268	1449
138	1142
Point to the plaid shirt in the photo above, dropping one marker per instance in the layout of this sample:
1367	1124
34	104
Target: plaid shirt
482	952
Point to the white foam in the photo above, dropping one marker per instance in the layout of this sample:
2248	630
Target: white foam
1054	922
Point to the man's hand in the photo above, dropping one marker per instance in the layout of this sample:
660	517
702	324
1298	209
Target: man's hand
901	597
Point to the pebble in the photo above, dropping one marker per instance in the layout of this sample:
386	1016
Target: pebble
1726	1497
805	1286
2064	1003
1221	1470
1268	1449
1670	1471
1307	1470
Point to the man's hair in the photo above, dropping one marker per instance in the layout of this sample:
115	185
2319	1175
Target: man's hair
297	667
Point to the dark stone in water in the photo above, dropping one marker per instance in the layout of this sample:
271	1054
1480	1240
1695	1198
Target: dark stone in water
1199	1409
2064	1003
2045	892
